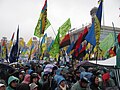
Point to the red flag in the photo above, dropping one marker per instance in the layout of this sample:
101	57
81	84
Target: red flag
112	51
82	52
12	36
85	33
65	41
78	42
83	49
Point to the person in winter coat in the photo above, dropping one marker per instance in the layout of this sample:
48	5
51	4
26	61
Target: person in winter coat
43	78
95	83
23	86
12	83
2	86
107	80
26	79
61	84
35	79
21	76
49	84
33	86
81	84
58	73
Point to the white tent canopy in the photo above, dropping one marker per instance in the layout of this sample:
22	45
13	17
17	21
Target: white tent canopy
107	62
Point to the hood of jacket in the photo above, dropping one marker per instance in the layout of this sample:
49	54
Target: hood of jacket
12	78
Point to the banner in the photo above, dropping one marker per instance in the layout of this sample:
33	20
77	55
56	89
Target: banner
64	28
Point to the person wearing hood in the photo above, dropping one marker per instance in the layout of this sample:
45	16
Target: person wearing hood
61	84
82	84
12	83
26	79
25	84
58	73
43	78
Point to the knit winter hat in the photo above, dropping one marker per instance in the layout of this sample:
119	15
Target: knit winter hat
33	86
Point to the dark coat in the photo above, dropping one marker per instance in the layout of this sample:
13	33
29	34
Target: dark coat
23	86
47	85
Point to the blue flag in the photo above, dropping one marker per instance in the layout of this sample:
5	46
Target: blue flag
43	39
14	51
90	37
99	12
70	48
49	47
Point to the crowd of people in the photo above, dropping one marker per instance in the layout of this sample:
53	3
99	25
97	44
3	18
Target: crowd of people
49	76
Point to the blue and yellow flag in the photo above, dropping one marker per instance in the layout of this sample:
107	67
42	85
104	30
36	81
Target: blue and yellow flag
90	37
97	21
43	43
49	47
11	42
14	51
70	48
29	43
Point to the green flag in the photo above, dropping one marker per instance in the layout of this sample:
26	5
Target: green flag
37	28
54	51
65	27
107	43
47	24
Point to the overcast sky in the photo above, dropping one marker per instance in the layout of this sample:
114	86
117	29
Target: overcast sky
26	14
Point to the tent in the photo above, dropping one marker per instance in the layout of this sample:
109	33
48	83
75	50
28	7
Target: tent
107	62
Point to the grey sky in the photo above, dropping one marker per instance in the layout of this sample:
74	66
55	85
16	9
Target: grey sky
26	13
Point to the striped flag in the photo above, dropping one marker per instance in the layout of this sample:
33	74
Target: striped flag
11	42
14	51
43	22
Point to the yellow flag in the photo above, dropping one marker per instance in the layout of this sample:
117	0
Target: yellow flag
97	31
21	42
29	44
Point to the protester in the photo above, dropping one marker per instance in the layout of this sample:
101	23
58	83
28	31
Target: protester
95	83
21	76
33	86
43	79
2	86
12	83
23	86
26	79
107	80
35	79
50	83
81	84
61	84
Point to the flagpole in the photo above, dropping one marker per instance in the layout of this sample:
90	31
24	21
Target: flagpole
103	15
39	49
115	42
114	33
53	30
